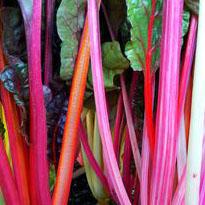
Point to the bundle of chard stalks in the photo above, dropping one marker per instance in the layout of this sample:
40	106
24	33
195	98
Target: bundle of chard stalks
112	89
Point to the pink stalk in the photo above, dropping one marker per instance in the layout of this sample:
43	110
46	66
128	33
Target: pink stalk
131	129
145	167
91	158
115	181
185	76
164	159
144	196
186	72
187	63
48	67
38	135
7	182
118	121
202	181
128	148
179	195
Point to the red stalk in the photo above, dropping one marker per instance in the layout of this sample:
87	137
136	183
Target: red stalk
148	82
118	121
48	67
7	182
91	158
128	148
130	125
38	134
16	140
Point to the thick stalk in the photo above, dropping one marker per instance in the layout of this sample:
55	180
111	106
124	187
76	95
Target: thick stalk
197	115
163	169
38	134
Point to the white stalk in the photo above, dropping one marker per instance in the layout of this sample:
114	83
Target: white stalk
197	117
182	153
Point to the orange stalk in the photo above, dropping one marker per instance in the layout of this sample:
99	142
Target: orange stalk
70	135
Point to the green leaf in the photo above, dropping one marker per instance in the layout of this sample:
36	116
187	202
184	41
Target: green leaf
52	177
70	21
138	13
114	63
193	5
185	23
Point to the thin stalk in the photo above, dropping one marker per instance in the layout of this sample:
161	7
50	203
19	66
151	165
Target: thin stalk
7	182
48	67
118	121
101	107
197	115
91	158
131	138
130	125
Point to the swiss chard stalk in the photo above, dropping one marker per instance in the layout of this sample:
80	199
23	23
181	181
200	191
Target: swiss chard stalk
128	147
48	71
148	81
7	182
38	133
70	135
101	107
197	115
94	164
164	159
130	126
15	139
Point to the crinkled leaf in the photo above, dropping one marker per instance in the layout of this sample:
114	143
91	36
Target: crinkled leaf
114	63
193	5
70	20
13	33
138	13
